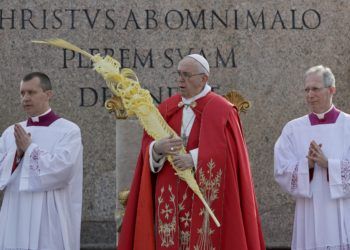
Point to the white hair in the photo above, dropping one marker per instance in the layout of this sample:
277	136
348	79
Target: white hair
326	73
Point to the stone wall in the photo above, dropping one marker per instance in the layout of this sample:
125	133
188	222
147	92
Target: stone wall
260	48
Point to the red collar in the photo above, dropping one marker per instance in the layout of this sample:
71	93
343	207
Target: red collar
329	118
44	121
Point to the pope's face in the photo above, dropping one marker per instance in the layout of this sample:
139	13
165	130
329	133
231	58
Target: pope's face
34	99
318	97
190	81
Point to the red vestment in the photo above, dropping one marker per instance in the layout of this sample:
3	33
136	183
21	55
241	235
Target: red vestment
176	218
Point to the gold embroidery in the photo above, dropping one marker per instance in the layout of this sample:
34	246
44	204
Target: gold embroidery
210	189
185	233
186	219
166	231
185	240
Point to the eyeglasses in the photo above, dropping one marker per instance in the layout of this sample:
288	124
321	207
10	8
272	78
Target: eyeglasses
314	89
187	75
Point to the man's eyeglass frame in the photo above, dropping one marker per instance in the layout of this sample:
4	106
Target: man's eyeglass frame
187	75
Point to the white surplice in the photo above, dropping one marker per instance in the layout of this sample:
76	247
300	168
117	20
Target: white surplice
41	209
322	212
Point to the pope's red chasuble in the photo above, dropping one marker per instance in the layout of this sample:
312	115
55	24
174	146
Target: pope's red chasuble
163	212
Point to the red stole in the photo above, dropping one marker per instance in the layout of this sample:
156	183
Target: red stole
173	197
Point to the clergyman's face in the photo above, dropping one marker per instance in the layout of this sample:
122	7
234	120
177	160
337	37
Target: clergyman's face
318	97
34	100
190	81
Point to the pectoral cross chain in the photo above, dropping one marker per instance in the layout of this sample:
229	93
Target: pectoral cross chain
184	139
